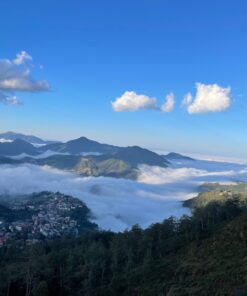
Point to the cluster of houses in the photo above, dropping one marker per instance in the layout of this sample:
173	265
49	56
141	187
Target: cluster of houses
46	215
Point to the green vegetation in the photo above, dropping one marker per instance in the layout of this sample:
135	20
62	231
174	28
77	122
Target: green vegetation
122	164
214	192
204	254
89	166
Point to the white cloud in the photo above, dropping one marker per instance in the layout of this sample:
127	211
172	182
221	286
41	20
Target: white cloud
131	101
159	175
2	140
187	100
9	100
209	98
21	58
23	84
15	75
168	106
117	203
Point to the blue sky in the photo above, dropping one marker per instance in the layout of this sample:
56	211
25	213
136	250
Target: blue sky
92	52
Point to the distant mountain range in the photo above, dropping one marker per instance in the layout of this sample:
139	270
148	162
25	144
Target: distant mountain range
17	147
82	156
123	163
81	145
176	156
11	136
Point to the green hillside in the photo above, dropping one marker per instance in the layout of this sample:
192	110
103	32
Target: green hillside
88	166
214	192
118	162
205	254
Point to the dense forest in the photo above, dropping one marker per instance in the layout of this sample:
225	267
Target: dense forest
205	254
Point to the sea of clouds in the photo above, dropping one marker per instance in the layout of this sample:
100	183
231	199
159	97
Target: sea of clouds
117	204
49	153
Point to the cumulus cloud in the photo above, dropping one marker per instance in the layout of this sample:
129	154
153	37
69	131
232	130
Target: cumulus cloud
169	104
15	76
208	98
131	101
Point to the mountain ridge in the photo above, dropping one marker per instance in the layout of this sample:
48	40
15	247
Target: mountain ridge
75	146
111	161
11	136
17	147
177	156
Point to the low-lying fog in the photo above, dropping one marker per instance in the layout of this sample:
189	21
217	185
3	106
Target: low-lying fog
118	204
49	153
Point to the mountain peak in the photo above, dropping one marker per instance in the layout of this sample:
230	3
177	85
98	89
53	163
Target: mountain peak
18	146
82	139
11	136
137	155
177	156
80	145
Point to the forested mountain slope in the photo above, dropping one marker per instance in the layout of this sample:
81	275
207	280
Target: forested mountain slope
205	254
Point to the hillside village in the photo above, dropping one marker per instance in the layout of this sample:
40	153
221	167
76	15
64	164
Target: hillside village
42	216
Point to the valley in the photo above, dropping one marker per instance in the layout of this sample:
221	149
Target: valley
121	186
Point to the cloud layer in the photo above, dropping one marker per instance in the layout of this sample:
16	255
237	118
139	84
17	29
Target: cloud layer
118	204
15	76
